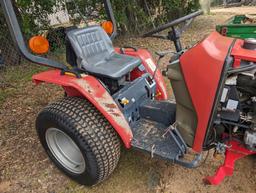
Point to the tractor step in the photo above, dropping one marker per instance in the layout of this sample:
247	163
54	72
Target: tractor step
158	140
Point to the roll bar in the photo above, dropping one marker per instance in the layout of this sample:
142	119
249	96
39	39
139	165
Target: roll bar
111	16
19	42
18	39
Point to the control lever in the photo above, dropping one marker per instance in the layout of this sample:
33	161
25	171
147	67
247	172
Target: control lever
164	37
122	50
164	53
161	55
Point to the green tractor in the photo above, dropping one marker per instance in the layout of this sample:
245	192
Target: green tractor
239	26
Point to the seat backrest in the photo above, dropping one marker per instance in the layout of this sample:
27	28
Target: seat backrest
92	45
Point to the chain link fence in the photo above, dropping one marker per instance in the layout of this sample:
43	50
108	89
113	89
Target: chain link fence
8	53
58	22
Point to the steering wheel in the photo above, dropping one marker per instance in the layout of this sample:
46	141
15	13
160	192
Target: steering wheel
188	19
175	34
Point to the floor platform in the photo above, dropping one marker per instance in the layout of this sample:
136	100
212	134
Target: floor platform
156	139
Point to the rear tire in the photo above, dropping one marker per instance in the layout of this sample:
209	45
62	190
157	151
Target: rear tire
79	140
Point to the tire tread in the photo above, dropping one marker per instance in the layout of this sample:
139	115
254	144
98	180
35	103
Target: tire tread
92	128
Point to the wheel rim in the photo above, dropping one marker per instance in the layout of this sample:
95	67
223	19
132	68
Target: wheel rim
65	150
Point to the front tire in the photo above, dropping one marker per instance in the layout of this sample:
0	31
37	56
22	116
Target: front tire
79	140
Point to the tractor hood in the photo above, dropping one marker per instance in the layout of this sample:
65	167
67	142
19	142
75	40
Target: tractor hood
202	67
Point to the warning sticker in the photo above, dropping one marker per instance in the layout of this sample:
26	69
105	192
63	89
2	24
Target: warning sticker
232	104
151	64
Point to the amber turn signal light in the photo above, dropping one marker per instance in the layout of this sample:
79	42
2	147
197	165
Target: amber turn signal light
108	27
39	45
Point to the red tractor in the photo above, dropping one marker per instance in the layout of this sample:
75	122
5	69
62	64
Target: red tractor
117	96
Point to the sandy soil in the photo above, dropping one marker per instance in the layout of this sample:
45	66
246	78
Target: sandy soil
235	10
25	168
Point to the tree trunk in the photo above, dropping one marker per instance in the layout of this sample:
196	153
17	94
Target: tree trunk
206	6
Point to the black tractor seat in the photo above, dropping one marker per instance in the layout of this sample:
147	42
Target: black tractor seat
95	53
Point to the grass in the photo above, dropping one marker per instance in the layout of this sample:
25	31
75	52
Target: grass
14	78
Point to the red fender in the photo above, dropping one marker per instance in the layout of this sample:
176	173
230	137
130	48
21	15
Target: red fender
90	88
150	66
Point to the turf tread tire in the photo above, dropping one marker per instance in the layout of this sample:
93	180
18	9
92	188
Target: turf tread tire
90	130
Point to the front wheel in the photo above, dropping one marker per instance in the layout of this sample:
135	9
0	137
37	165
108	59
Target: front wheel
79	140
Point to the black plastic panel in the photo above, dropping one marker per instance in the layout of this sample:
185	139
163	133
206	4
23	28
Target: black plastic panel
137	93
162	112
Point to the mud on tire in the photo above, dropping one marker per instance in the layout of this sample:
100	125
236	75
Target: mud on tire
97	141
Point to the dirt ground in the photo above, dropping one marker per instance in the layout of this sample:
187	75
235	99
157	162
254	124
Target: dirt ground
25	168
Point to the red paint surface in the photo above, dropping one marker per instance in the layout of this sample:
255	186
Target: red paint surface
202	66
144	55
136	73
234	153
240	53
90	88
